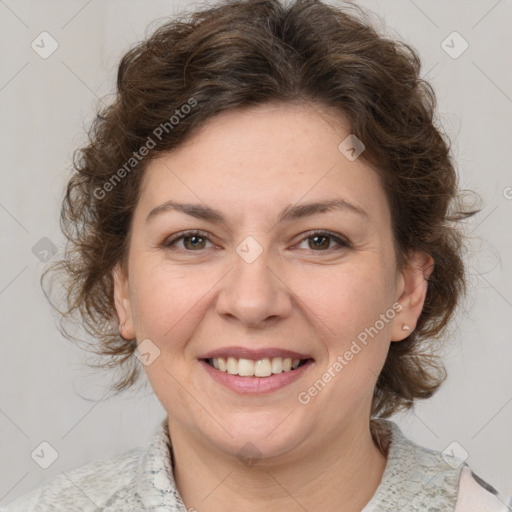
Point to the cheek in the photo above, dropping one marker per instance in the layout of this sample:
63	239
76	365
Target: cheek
167	300
168	307
345	308
346	305
346	299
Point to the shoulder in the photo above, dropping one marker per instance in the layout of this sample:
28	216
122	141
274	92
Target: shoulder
417	478
453	478
476	495
85	488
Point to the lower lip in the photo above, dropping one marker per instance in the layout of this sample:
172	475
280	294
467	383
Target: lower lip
256	385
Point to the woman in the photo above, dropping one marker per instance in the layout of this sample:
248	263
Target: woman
266	220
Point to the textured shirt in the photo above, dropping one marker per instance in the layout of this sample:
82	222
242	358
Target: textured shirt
141	479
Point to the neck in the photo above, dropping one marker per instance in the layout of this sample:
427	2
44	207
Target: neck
342	476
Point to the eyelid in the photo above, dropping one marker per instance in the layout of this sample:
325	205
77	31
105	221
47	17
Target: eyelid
341	240
186	234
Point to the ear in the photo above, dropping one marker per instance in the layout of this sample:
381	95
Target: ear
413	290
123	303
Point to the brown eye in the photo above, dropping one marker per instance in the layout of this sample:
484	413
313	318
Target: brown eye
321	241
195	242
192	241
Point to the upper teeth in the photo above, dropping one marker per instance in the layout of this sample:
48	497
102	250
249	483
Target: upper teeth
249	368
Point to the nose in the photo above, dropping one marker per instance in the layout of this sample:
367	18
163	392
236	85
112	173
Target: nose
254	293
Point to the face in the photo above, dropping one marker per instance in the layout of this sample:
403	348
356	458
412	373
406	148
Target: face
247	274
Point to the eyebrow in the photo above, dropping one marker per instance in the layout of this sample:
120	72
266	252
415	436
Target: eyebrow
292	212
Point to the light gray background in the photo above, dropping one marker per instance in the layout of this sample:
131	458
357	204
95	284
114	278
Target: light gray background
46	393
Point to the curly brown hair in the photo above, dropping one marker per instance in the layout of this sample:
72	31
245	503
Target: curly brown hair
243	53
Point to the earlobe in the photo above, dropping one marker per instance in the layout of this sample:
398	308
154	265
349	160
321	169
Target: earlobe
122	303
414	278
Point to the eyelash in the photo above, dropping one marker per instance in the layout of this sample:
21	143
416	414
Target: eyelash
202	234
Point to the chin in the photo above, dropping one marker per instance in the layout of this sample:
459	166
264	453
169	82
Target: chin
264	435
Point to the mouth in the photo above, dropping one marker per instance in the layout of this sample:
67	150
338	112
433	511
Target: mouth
257	376
264	367
252	371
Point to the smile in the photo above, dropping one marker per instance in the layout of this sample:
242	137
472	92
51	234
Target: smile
255	368
250	383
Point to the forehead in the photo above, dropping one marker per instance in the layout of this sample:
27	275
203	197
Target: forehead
258	161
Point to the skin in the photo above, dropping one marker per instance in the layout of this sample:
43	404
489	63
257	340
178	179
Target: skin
250	164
